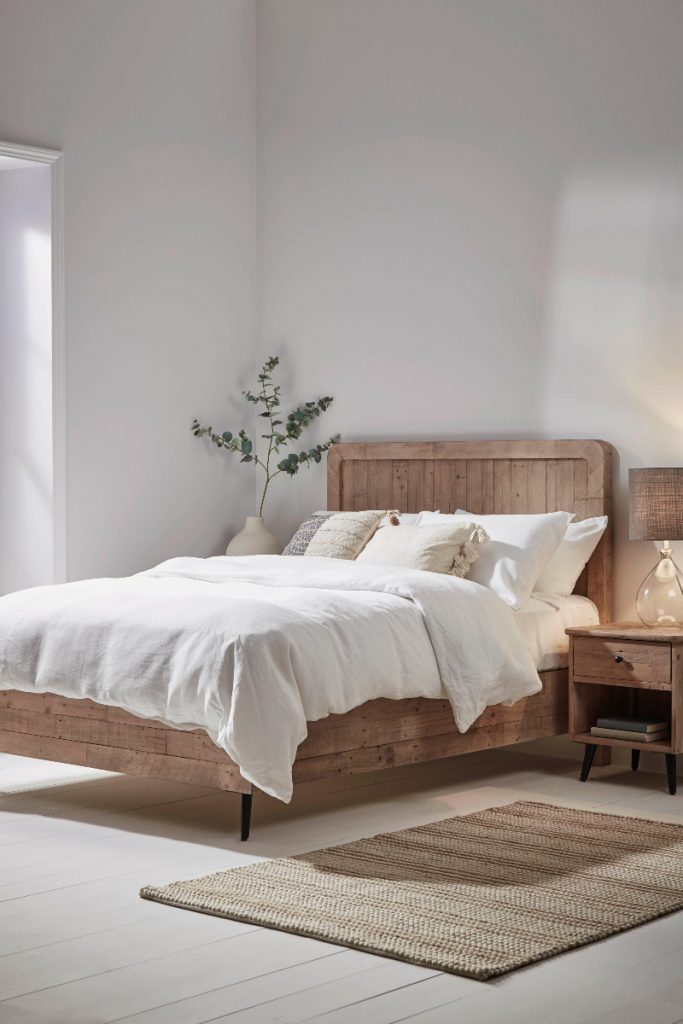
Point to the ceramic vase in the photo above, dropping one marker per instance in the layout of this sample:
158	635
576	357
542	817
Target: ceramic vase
254	539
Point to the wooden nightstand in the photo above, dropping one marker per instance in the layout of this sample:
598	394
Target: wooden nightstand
626	669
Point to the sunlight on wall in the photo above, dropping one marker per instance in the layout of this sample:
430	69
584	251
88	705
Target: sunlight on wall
615	329
26	514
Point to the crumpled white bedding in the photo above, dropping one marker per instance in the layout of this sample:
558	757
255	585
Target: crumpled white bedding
252	648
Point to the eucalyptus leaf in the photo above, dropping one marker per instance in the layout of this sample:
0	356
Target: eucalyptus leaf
268	396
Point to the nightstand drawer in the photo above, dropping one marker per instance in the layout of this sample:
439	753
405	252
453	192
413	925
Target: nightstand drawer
623	661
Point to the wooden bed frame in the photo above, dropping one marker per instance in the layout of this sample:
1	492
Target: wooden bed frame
481	476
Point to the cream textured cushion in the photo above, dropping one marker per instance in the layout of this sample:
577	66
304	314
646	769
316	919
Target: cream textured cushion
447	549
344	534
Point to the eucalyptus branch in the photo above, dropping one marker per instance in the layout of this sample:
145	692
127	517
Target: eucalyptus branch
292	426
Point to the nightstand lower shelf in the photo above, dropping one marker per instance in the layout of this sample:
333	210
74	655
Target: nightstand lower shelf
608	741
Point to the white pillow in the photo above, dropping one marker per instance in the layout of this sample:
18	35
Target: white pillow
569	561
521	546
450	548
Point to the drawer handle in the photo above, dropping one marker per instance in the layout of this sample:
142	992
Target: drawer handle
618	658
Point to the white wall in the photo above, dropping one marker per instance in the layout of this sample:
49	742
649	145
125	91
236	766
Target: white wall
152	103
471	224
26	501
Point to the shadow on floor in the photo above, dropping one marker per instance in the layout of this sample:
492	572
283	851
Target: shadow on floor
333	811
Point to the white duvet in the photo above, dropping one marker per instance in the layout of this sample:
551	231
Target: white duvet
250	649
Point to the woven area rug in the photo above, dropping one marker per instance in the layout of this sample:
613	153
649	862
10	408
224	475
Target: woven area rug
477	895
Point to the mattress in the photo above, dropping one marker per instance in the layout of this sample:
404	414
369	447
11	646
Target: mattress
542	621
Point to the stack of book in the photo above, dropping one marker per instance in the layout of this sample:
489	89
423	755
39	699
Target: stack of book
626	727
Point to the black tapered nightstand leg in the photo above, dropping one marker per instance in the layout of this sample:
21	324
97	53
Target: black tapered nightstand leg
635	760
671	772
245	821
587	760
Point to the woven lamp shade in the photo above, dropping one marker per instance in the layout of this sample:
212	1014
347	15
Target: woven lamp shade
655	504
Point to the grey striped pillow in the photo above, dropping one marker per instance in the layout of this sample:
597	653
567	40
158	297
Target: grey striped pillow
306	532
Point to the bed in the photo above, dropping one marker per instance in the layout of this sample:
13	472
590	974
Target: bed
482	476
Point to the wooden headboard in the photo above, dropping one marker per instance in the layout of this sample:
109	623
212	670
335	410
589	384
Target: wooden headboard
484	477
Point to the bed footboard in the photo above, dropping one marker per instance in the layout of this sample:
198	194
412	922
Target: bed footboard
82	732
384	733
378	734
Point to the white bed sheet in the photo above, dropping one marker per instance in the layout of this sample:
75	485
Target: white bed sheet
542	621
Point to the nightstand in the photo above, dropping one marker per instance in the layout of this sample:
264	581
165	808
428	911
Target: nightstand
626	669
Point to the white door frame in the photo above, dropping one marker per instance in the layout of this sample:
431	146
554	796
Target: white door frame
55	161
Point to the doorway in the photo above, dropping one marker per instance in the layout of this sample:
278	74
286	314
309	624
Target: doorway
32	535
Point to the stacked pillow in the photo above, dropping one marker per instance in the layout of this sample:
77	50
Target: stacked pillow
513	555
389	538
544	553
305	533
520	548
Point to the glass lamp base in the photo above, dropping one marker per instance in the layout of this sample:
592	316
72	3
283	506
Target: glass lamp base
660	597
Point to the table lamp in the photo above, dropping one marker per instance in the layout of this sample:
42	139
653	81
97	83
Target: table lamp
656	512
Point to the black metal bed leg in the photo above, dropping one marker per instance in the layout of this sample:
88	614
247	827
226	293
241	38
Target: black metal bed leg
671	772
245	818
635	759
588	756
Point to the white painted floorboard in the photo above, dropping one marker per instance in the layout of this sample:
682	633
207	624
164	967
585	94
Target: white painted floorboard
78	945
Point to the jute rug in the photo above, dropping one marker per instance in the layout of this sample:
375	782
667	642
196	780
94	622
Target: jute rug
478	895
